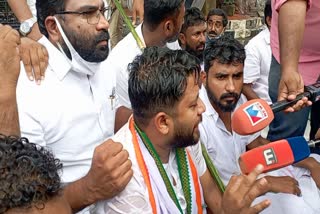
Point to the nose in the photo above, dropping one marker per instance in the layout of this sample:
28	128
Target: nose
230	86
202	37
103	23
201	107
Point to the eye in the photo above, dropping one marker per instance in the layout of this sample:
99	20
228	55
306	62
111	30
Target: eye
221	77
238	76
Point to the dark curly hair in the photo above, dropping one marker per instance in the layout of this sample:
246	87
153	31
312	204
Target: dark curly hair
28	174
225	50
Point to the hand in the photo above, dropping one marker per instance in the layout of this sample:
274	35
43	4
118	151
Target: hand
110	171
291	84
35	59
137	10
315	174
9	58
284	184
242	190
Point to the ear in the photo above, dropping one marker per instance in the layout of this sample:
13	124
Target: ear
163	123
52	28
168	27
182	39
203	76
224	29
268	20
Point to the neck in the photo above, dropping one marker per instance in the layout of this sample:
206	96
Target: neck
224	116
152	38
157	141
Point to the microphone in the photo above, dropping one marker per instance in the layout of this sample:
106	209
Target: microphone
277	154
256	114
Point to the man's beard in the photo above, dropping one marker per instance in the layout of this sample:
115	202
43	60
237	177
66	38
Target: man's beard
198	54
230	106
86	47
184	137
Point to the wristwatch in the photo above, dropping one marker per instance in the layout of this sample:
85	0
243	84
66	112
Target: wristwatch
26	26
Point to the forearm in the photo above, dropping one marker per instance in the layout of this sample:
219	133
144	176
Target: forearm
78	195
9	118
248	92
307	163
291	29
259	141
211	192
22	11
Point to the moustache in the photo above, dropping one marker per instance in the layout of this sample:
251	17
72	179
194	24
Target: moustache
103	36
228	95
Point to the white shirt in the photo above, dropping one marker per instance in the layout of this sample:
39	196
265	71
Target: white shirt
135	198
223	147
70	113
257	64
118	60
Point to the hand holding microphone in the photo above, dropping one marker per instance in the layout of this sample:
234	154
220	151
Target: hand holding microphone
256	114
277	154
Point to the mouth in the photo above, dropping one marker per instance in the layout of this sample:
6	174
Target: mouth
103	42
229	99
212	35
200	48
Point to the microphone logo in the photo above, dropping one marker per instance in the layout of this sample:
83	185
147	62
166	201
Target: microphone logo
270	157
256	113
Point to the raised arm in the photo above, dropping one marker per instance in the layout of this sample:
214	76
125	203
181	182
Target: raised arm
9	73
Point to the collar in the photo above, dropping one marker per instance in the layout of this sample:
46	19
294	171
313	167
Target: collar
210	111
57	61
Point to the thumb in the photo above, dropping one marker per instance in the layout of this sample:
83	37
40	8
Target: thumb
134	17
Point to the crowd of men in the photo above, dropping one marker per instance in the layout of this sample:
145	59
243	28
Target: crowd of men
122	130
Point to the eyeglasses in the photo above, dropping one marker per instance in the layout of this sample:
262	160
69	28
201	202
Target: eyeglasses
93	17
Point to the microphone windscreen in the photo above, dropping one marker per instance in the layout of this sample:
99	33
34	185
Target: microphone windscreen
272	156
251	117
299	147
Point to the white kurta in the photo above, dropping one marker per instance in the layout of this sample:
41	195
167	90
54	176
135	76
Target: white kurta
225	149
135	198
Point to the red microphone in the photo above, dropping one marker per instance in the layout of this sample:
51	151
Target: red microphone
251	117
277	154
256	114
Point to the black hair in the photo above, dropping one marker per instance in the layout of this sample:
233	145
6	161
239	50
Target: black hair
225	50
158	80
28	174
155	11
219	12
192	17
267	11
47	8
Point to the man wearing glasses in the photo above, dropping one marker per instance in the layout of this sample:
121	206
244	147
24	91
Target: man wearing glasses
73	111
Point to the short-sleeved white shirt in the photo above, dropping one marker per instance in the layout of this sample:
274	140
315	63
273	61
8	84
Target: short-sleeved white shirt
257	64
223	147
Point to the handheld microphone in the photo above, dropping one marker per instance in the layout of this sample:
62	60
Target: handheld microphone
277	154
256	114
